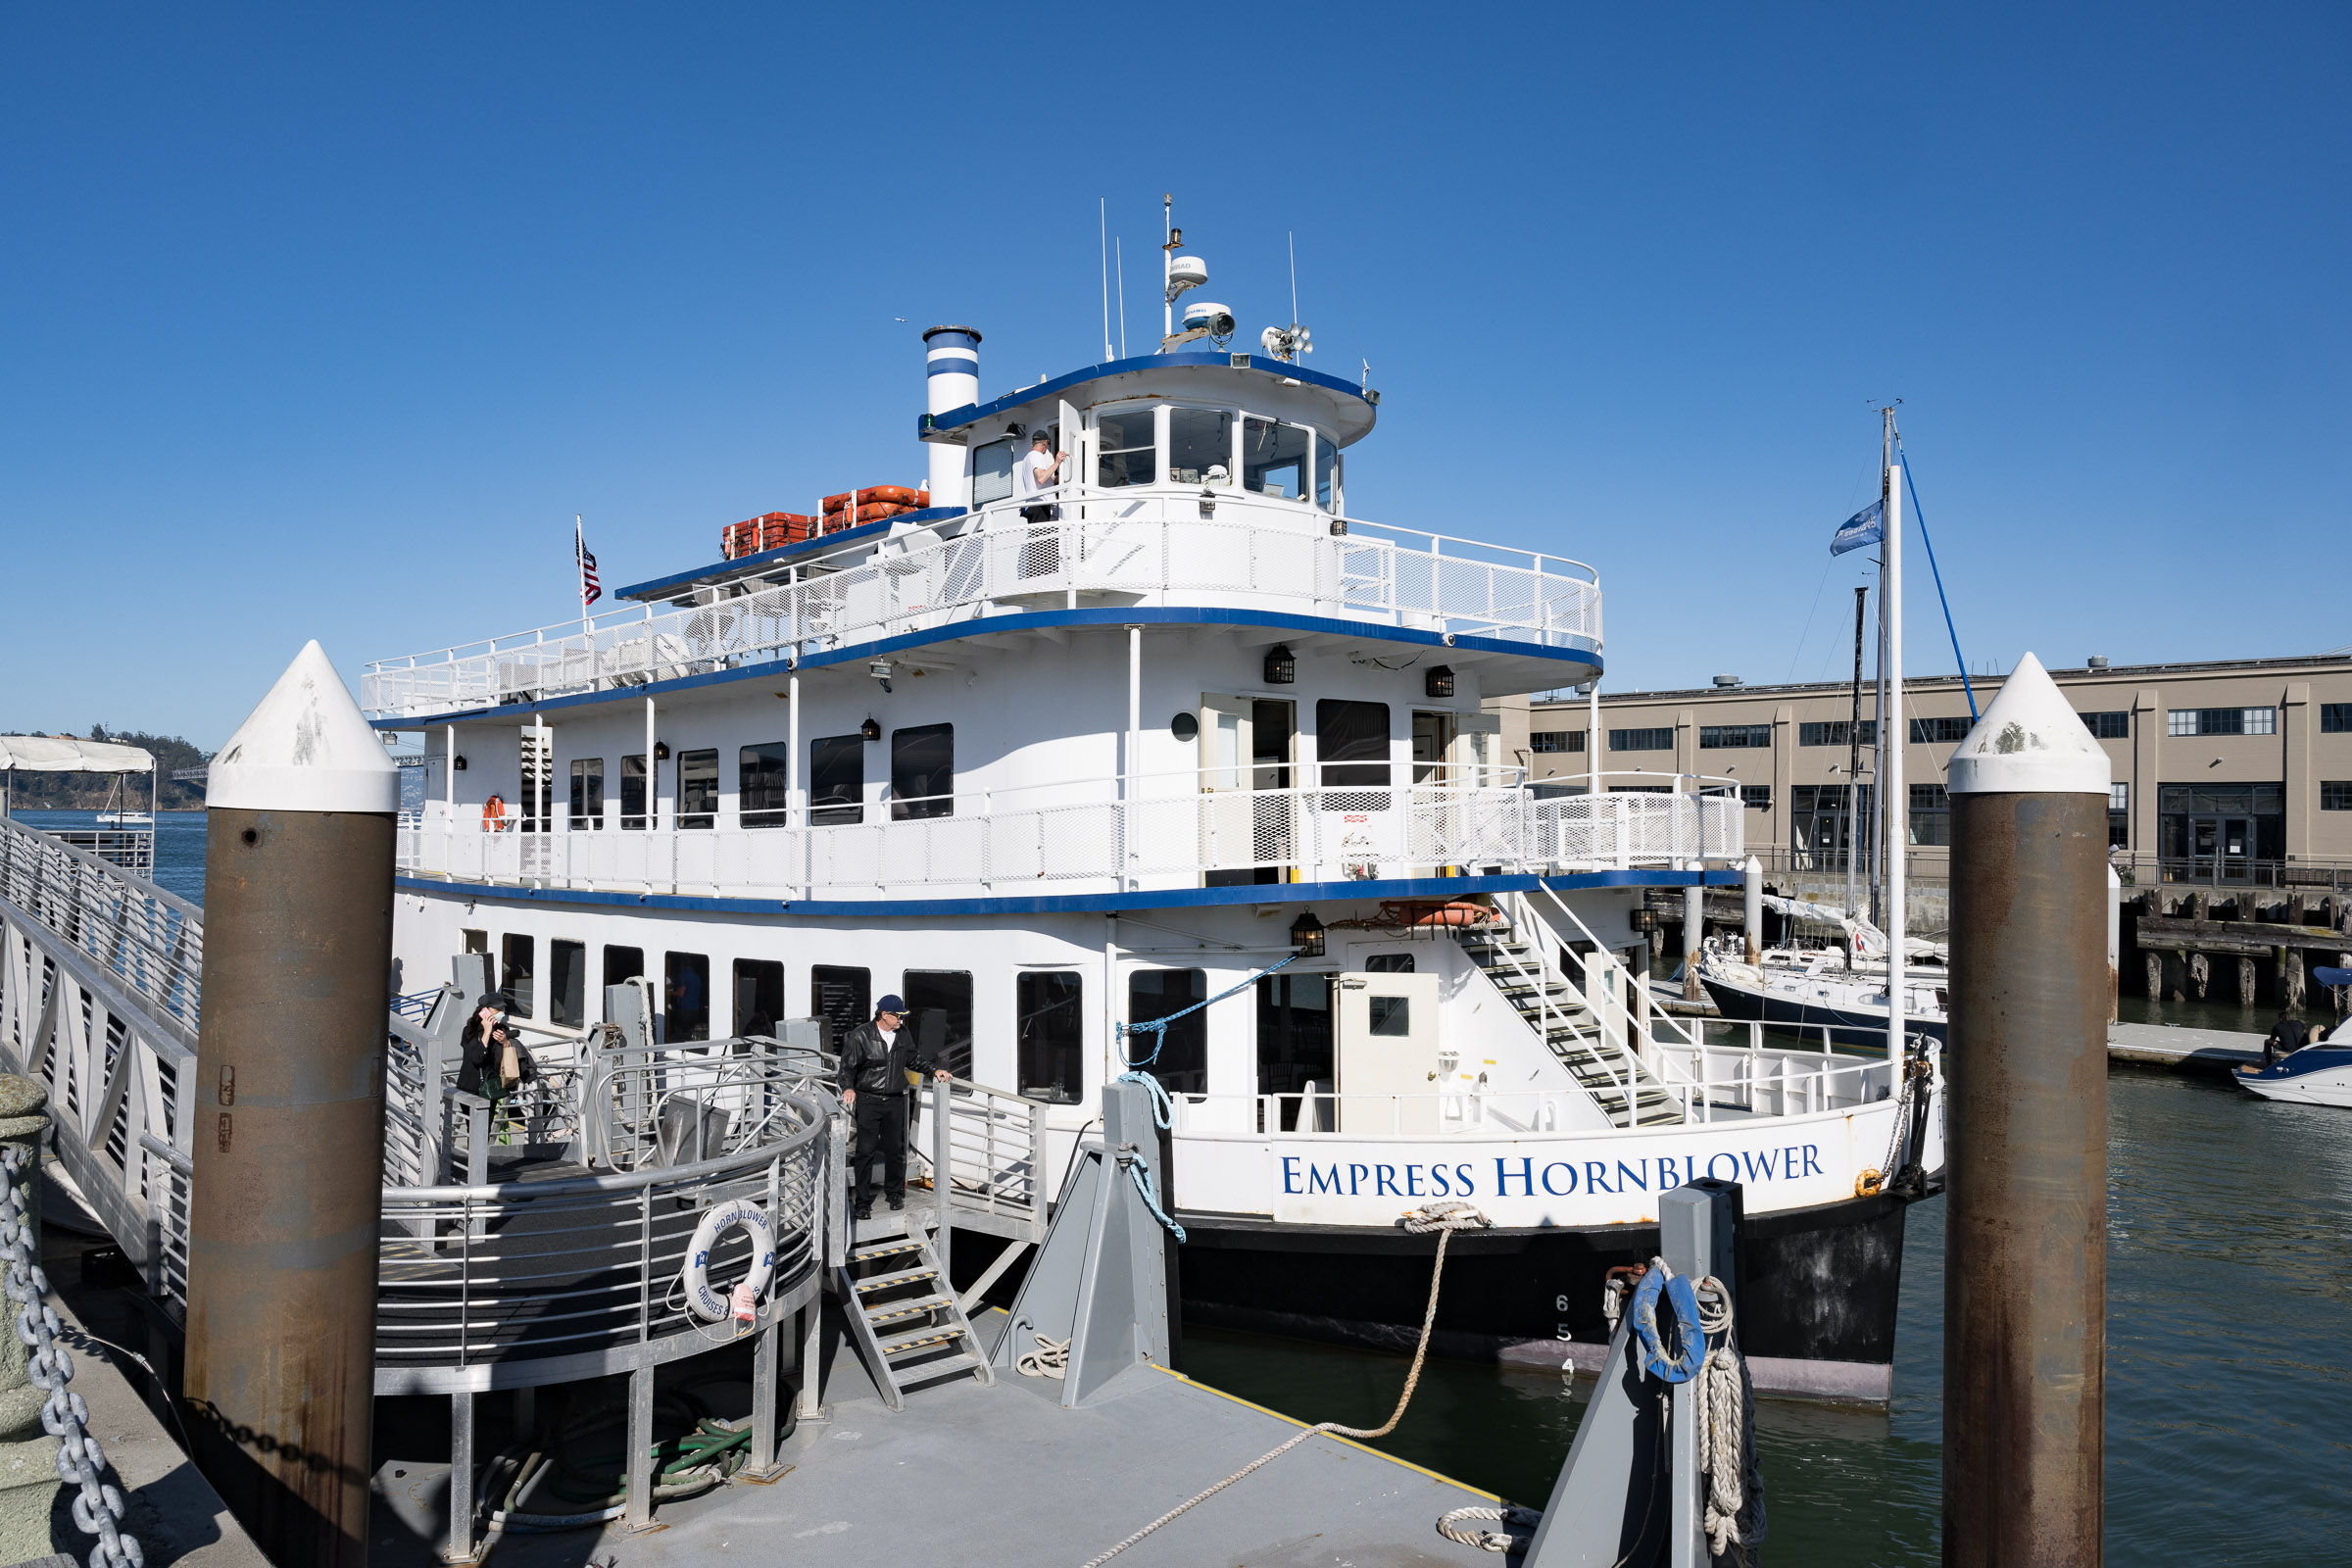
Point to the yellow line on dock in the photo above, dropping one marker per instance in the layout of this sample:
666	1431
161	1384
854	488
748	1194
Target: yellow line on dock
1333	1436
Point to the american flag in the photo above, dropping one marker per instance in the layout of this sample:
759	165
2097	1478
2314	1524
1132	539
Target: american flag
590	591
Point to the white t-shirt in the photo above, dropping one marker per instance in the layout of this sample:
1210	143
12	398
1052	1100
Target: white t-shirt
890	1037
1028	474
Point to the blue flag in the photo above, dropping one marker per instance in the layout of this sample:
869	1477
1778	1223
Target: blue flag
1864	527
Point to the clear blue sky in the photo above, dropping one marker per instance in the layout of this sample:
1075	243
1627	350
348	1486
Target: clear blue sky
324	320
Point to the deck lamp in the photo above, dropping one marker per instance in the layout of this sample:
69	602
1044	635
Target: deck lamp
1440	681
660	751
1306	935
1282	665
869	730
461	763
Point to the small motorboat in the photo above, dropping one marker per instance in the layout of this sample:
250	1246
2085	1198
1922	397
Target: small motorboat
2319	1074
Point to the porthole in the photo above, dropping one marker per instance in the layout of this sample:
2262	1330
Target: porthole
1185	728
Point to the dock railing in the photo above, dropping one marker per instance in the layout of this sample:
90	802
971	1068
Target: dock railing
995	1157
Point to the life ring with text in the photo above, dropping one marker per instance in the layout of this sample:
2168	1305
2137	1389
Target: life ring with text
1644	1309
703	1302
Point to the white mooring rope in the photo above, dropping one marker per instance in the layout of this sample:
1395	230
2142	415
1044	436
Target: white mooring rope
1726	1434
1051	1360
1445	1218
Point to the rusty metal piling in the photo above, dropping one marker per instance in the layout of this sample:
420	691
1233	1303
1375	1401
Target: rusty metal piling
2026	1261
290	1107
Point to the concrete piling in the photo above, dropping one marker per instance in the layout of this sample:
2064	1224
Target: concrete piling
1752	908
1694	937
2024	1269
289	1101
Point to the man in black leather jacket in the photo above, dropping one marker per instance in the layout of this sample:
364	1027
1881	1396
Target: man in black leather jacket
876	1060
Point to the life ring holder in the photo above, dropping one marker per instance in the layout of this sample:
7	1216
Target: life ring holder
1683	1302
700	1300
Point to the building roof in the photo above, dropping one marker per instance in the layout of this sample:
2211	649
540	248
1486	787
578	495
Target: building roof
2213	667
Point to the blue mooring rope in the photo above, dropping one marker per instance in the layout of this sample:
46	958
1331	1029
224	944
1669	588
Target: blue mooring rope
1158	1027
1912	485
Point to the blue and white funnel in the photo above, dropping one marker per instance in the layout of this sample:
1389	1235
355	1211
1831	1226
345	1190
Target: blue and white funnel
953	368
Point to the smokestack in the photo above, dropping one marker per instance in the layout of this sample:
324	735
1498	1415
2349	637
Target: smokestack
951	371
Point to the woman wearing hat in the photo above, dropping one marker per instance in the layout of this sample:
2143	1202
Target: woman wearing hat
877	1060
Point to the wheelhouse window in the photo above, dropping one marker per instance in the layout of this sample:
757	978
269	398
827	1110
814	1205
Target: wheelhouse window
1199	440
1048	1033
1327	474
760	776
698	788
992	472
1126	450
567	984
686	997
922	772
587	794
1274	457
837	779
1182	1065
1352	743
633	794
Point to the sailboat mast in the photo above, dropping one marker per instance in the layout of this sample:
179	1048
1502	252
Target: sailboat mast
1890	768
1854	833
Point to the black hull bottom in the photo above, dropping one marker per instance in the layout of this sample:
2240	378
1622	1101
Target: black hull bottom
1808	1017
1816	1286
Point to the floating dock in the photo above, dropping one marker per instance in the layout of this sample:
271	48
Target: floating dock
2208	1051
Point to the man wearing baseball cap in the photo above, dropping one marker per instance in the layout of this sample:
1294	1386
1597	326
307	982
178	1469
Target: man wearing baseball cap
879	1061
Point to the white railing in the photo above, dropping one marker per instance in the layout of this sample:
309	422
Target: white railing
1148	549
149	941
1090	836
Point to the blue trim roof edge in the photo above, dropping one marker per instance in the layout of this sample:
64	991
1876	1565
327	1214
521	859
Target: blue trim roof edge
659	586
971	413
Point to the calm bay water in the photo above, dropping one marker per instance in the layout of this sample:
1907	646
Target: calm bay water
2229	1344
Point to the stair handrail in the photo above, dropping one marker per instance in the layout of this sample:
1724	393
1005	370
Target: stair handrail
1607	960
990	1194
1548	1016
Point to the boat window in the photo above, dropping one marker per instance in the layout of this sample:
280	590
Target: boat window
1353	736
1182	1066
698	788
567	984
841	997
1199	440
760	776
1389	963
948	993
686	997
1048	1023
518	971
476	941
632	792
587	793
1274	457
1125	449
758	996
624	964
922	772
837	779
1327	474
992	472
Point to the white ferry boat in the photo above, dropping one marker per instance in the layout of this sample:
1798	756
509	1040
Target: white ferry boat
1052	765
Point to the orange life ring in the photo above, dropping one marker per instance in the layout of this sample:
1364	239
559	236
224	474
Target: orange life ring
494	815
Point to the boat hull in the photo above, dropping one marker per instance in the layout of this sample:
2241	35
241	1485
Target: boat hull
1797	1014
1817	1292
2319	1075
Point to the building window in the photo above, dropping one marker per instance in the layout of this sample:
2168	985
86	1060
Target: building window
587	794
686	997
2119	817
2221	721
1641	740
1939	731
841	997
2336	796
633	805
760	796
518	972
1274	459
1125	450
1757	796
1930	814
2208	824
2115	727
2335	717
1834	732
1555	740
837	780
1182	1066
922	772
567	984
1199	440
992	472
758	996
1714	737
1352	742
949	993
1048	1028
698	788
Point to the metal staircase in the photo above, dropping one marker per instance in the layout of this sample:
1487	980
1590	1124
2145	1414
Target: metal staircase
902	1314
1595	1033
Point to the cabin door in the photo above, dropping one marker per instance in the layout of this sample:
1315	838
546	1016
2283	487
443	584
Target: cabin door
1388	1054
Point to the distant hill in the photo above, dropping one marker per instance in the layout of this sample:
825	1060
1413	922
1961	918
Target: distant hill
88	792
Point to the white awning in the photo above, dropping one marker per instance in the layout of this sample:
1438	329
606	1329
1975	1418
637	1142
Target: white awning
60	754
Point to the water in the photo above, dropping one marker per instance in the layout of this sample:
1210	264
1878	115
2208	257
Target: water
178	845
2228	1359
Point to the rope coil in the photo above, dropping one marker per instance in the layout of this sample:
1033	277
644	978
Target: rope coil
1727	1434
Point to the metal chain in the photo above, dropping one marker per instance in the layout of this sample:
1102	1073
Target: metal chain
81	1461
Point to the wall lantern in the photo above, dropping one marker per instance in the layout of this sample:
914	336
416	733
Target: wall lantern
1282	665
1306	935
660	751
1439	682
461	763
869	730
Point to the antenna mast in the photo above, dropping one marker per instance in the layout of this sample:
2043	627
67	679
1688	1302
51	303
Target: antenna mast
1167	264
1102	228
1294	277
1120	251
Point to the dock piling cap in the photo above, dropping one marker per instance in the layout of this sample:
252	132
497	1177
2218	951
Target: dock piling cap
2031	741
306	747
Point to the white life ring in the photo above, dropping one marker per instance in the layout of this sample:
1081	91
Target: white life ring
705	1302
